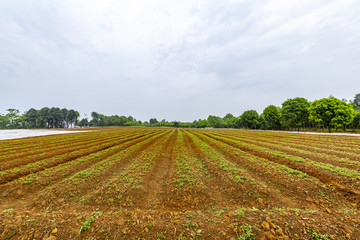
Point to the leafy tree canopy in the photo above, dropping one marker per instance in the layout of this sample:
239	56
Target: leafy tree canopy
216	122
153	121
272	117
356	101
250	119
294	112
331	112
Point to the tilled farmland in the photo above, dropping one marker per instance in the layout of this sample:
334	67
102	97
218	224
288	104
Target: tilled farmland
166	183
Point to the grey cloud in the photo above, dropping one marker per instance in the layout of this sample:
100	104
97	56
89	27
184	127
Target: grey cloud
179	61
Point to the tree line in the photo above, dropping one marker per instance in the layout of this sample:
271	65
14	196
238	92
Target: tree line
44	118
294	114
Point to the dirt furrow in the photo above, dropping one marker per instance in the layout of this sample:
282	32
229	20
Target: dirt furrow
352	194
100	179
68	157
51	175
344	143
36	157
306	153
152	188
281	190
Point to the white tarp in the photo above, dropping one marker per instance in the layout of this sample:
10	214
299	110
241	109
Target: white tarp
23	133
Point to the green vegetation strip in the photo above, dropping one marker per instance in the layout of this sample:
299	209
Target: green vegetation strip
63	167
267	164
308	153
232	170
186	176
71	154
325	166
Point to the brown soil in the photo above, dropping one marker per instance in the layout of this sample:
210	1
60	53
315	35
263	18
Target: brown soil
128	185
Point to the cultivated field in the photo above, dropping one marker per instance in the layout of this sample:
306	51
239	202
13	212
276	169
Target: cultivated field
158	183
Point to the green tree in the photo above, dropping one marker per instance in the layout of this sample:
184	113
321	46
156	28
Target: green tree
294	112
229	120
65	114
4	121
83	122
216	122
356	101
236	122
44	119
56	117
272	117
72	117
95	118
201	123
250	119
356	121
123	120
15	120
330	113
32	118
131	119
263	124
153	121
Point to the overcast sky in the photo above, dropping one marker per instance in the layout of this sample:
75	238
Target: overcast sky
178	60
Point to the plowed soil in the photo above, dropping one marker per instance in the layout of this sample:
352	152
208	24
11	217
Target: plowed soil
164	183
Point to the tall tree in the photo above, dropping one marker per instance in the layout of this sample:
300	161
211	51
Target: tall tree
4	121
294	112
31	117
272	117
84	122
95	118
15	120
356	101
331	112
250	119
229	120
216	122
356	121
44	117
65	114
72	117
202	123
56	117
153	121
131	119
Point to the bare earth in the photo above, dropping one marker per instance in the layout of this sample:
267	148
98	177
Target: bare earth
157	183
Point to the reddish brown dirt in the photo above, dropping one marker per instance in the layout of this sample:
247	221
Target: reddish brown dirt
324	176
318	155
132	191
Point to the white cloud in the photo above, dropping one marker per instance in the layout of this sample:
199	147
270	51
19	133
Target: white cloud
205	51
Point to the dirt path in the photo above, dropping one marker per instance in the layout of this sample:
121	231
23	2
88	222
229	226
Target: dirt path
152	189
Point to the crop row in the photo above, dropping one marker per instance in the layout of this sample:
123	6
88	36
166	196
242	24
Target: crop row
99	173
36	156
295	150
187	174
256	174
303	164
24	144
315	145
49	143
340	142
36	166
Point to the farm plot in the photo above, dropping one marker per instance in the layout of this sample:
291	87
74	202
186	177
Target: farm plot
163	183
